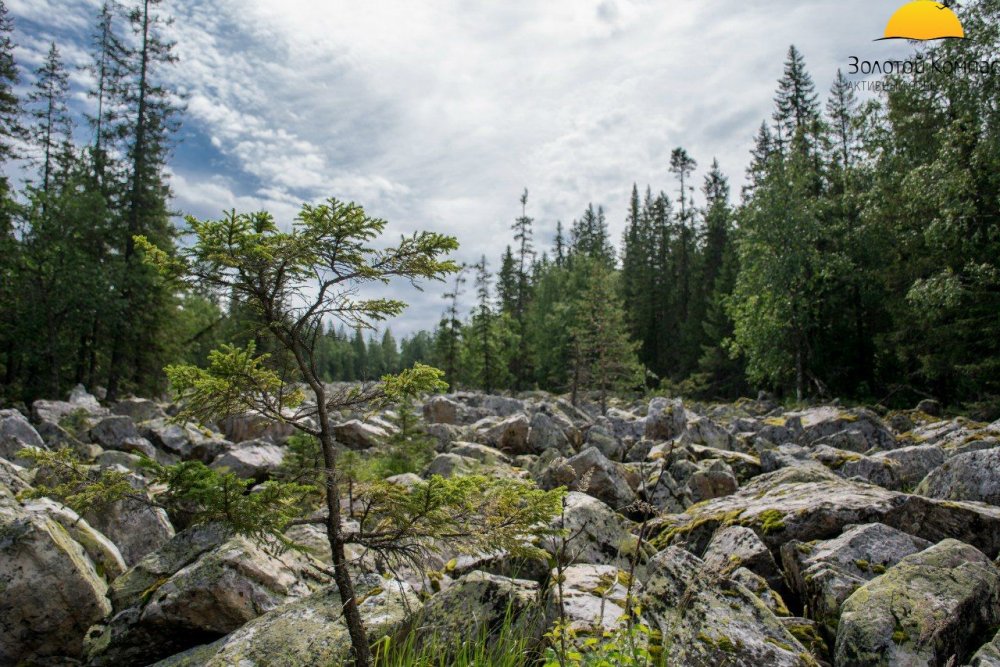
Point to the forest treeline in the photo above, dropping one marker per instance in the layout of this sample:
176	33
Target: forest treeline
861	258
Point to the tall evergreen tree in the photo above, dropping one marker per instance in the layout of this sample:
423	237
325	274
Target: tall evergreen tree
144	303
52	129
11	128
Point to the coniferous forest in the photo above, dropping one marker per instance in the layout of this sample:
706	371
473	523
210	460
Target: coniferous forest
859	260
748	427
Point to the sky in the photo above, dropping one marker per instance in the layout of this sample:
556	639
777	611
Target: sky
435	115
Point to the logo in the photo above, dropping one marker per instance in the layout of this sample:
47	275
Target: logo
923	20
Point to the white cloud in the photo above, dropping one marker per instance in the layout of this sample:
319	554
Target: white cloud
436	114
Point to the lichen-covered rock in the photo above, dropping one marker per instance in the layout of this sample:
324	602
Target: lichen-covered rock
665	493
592	473
988	655
481	453
899	469
810	502
475	606
825	573
704	431
50	589
254	459
758	585
137	528
510	435
549	432
138	409
307	632
744	466
16	434
737	546
707	620
103	553
356	434
120	433
969	476
602	438
933	608
450	464
860	427
665	419
713	479
593	598
600	535
79	403
14	477
250	426
442	410
201	585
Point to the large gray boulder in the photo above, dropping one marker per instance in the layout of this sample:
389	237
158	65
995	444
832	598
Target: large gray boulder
599	534
665	419
102	552
50	589
442	410
549	432
933	608
307	632
510	435
857	429
475	606
733	547
825	573
356	434
810	502
80	404
591	472
138	409
254	459
592	598
201	585
988	655
120	433
16	434
135	525
900	469
969	476
708	620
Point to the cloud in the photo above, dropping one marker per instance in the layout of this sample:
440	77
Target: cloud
436	114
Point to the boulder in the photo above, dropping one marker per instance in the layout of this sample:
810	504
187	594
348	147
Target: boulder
599	535
899	469
120	433
704	431
859	429
238	428
933	608
665	419
16	434
102	552
14	477
592	473
707	620
310	631
481	453
510	435
253	459
356	434
449	464
474	607
825	573
136	527
138	409
442	410
593	598
80	405
201	585
713	479
50	589
809	502
970	476
988	655
734	547
931	407
606	442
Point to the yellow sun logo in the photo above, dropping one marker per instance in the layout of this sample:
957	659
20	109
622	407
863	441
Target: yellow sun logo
923	20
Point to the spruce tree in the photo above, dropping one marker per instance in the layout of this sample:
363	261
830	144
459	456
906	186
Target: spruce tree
796	102
603	356
11	128
52	127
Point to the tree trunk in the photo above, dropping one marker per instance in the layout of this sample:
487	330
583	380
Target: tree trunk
799	374
341	575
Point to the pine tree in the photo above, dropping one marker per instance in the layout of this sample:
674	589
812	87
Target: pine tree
522	228
507	282
142	304
52	128
604	357
390	352
486	362
109	68
796	102
11	128
449	337
560	245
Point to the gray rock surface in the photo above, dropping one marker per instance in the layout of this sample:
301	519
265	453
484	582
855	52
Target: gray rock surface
933	608
970	476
